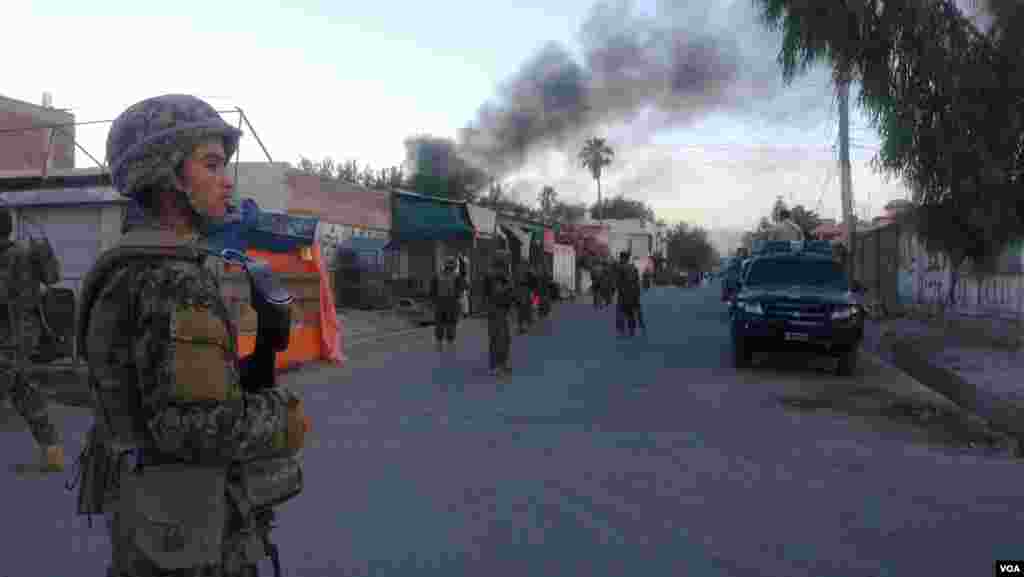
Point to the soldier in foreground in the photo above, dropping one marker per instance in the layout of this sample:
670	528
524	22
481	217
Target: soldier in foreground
499	294
20	331
171	394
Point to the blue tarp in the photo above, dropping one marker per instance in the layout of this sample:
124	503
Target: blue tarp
368	252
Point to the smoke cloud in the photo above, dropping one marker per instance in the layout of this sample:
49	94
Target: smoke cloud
673	67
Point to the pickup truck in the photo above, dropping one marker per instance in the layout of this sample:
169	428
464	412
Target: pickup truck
797	300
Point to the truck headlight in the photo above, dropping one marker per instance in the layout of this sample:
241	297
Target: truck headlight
844	313
750	307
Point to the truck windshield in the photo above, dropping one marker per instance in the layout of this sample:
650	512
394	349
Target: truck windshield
820	273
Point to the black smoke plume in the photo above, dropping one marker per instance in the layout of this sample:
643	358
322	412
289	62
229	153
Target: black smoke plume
669	64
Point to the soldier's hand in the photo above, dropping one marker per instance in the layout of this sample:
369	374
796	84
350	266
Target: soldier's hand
298	425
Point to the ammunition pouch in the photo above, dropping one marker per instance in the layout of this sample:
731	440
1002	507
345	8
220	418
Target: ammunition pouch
175	514
265	483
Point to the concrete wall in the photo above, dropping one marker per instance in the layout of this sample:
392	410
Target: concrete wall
27	149
264	182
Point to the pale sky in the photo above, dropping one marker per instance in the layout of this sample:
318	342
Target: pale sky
351	80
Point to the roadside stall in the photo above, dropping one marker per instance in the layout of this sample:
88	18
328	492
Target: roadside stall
287	244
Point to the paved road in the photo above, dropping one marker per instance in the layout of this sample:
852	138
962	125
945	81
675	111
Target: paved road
599	456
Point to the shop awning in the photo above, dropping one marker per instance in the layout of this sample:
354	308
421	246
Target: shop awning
517	235
418	218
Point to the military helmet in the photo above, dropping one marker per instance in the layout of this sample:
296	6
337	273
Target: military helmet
155	135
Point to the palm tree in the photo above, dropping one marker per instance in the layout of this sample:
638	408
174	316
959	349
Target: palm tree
595	155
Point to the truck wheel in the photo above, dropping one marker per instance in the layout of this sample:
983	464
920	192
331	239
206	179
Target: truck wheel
847	363
741	355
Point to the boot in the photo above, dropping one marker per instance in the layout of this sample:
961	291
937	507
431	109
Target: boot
53	459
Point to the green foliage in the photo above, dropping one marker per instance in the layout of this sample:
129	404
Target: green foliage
620	207
945	98
547	198
688	248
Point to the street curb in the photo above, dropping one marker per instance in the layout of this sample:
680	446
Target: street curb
939	399
1005	417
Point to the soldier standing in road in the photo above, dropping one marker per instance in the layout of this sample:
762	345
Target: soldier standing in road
445	290
20	331
163	359
628	288
526	290
499	294
608	284
786	229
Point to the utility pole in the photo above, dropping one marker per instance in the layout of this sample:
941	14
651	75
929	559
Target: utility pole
846	183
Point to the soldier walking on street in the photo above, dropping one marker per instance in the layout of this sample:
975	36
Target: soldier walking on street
446	289
162	353
628	288
499	295
20	332
526	286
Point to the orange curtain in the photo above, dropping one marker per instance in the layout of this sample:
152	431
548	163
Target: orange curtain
330	331
307	342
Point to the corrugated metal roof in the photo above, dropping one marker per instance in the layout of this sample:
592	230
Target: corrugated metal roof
62	196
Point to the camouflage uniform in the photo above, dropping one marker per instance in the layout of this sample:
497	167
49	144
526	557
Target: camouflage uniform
163	364
23	294
163	353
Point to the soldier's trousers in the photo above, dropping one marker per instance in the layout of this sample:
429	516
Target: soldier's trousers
499	337
525	312
446	320
31	405
625	318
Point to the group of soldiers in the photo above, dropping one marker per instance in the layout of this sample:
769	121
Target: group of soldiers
531	290
622	280
219	440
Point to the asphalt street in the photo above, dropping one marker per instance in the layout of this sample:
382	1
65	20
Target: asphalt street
598	456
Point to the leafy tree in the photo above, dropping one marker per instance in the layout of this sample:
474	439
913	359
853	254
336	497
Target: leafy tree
307	166
780	205
568	213
806	219
620	207
349	172
547	198
326	168
945	98
594	156
688	248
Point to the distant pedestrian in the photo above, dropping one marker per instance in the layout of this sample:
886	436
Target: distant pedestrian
444	291
499	295
608	285
628	288
543	290
526	286
596	286
464	295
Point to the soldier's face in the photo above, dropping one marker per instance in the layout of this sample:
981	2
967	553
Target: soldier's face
205	177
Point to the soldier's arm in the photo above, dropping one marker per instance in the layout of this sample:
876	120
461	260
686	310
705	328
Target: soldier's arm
192	400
